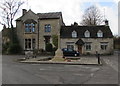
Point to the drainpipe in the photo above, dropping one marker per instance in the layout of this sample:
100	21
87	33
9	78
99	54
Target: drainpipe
38	33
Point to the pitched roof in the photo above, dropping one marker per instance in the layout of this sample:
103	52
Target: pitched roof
66	31
30	21
52	15
18	19
80	42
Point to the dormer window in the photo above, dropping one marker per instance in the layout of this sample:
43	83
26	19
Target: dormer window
87	33
99	33
74	34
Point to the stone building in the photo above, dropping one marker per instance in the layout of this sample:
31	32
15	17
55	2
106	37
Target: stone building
87	39
34	31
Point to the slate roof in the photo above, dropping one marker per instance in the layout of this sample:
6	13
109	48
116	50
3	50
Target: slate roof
30	21
80	42
66	31
52	15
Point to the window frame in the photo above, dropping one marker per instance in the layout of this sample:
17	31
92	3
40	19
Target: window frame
47	27
87	34
29	27
103	45
70	46
88	46
27	44
74	34
100	34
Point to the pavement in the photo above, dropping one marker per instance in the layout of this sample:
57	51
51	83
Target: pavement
84	60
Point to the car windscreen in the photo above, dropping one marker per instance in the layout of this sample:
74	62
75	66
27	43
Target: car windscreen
64	49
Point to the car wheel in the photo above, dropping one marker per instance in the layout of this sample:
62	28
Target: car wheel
75	54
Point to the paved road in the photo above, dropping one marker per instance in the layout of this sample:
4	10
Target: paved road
19	73
112	60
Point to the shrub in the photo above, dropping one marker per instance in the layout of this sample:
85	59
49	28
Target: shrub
88	53
49	47
41	50
54	49
55	40
35	51
5	47
14	49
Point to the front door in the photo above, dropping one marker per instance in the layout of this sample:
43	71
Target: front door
47	39
80	49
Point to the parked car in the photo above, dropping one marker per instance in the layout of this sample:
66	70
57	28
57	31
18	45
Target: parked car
70	52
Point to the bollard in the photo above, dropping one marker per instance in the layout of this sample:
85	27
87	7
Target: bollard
98	56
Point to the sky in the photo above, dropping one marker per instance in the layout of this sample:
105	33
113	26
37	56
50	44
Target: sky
72	10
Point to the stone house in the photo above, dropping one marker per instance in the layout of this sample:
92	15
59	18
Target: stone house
87	39
34	31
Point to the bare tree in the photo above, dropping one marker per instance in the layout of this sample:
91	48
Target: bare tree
92	16
9	11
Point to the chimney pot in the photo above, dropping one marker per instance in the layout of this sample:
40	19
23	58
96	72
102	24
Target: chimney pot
106	22
24	11
75	24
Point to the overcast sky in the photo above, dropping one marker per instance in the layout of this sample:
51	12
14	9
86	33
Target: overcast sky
72	10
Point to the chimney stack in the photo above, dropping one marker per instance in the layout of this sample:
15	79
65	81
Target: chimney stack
24	11
106	22
75	24
4	26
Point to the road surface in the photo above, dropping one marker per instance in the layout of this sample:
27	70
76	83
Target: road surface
21	73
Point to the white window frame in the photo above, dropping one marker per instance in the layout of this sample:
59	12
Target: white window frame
26	43
70	44
103	45
88	46
32	43
74	34
99	33
87	33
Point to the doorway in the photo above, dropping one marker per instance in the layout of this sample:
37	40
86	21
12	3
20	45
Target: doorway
80	49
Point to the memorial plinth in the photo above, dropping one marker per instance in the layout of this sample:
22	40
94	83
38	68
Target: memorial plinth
59	53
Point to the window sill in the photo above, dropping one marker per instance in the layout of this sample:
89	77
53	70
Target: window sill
103	49
47	32
88	50
30	33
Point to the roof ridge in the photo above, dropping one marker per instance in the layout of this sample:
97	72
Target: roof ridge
84	25
67	30
49	12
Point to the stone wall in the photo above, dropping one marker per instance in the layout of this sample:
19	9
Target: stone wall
55	26
20	33
21	28
95	44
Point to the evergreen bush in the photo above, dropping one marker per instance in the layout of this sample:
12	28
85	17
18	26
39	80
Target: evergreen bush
14	49
49	47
